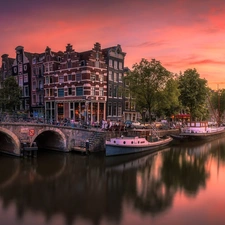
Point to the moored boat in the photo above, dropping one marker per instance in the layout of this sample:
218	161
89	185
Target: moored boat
201	130
128	145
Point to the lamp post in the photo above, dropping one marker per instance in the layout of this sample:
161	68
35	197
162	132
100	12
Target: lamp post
144	114
86	113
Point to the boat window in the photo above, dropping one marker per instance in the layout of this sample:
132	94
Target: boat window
114	141
138	142
124	142
132	142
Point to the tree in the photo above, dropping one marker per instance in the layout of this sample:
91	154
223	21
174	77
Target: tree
217	101
146	81
193	93
168	99
10	94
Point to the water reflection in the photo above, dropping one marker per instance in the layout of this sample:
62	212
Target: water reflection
58	188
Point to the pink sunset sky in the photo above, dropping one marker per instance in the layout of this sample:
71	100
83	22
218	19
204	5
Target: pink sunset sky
181	34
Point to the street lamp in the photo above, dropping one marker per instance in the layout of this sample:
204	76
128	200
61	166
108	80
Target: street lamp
144	114
86	109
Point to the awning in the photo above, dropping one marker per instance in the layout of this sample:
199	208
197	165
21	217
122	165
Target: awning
182	116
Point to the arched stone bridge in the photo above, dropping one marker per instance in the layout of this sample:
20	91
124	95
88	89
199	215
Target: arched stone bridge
46	136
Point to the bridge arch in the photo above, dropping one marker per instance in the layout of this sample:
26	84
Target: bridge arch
10	143
50	138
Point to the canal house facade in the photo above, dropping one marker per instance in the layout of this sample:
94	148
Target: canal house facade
21	70
75	84
115	57
84	87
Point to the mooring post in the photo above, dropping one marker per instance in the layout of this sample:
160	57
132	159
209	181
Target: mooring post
87	147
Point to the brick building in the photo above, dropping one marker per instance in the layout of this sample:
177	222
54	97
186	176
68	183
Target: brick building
81	86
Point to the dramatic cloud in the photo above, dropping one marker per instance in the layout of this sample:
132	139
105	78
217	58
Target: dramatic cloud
181	34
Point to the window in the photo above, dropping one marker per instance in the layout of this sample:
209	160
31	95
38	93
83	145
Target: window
40	99
50	79
61	79
47	93
79	91
50	67
115	65
69	77
34	71
120	65
69	91
114	109
21	81
25	78
78	77
120	77
110	109
110	63
92	90
127	105
101	91
115	91
26	91
120	89
97	63
46	68
119	110
101	77
132	106
60	92
20	68
69	64
110	90
40	84
34	99
52	92
110	75
93	77
115	77
34	86
47	79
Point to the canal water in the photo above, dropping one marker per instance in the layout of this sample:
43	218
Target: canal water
182	184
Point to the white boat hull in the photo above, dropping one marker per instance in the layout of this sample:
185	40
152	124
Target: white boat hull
122	146
199	134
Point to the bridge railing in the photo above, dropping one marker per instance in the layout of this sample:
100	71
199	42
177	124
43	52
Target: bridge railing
68	123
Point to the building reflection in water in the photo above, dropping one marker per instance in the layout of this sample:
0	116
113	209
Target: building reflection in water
57	188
